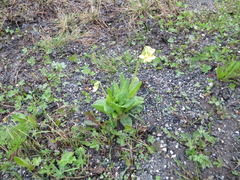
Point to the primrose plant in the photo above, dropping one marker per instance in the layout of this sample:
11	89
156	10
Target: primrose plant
121	101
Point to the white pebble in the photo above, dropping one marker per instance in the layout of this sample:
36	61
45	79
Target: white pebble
162	145
164	149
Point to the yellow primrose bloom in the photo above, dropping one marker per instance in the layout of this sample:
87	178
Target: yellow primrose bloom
96	85
147	54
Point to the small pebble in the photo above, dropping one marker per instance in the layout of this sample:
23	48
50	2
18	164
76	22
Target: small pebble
162	145
164	150
210	177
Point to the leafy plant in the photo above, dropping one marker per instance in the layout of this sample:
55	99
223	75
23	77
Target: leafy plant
86	70
230	71
197	144
13	137
120	100
205	68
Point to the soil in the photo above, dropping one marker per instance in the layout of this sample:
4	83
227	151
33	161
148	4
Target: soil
163	89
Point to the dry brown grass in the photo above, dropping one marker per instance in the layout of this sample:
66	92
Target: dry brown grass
69	20
138	10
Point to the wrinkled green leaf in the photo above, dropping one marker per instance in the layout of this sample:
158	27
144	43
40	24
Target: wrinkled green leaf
136	109
67	158
126	121
36	161
99	105
137	101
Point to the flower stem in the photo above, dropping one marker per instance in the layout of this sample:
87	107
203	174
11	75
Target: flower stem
136	70
103	89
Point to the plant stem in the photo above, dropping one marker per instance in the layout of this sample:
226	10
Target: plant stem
136	70
103	89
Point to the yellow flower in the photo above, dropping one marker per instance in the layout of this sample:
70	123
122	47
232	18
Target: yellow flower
147	54
96	85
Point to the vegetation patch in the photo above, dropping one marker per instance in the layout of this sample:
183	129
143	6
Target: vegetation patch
108	89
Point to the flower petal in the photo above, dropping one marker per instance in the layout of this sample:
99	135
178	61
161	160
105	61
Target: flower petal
96	85
147	54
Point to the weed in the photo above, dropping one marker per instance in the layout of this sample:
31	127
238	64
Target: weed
87	96
14	137
197	144
48	43
67	22
138	7
105	63
186	175
73	58
229	72
31	61
235	171
220	109
86	70
205	68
